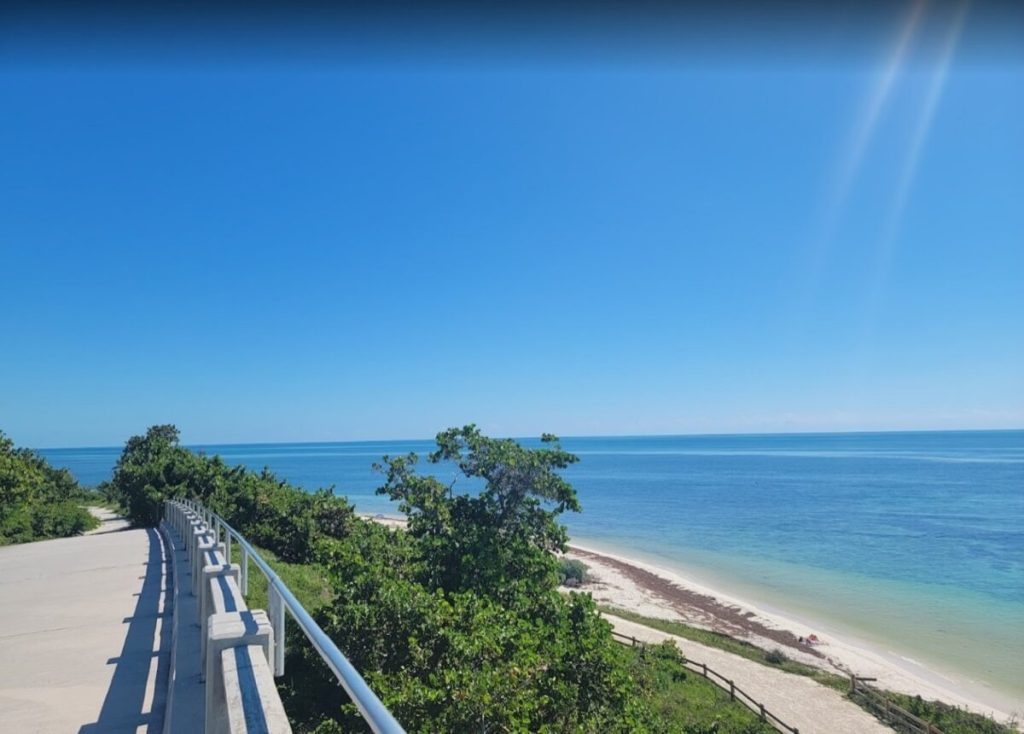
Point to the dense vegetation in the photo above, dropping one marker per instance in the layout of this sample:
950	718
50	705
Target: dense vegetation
36	500
270	512
457	624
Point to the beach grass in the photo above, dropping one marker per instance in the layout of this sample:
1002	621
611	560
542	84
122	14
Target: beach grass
949	719
732	645
307	581
693	705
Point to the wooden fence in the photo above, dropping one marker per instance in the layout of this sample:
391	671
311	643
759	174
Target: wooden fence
726	684
884	709
896	716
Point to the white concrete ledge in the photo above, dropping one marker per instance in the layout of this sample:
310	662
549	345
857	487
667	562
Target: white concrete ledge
236	643
252	704
221	595
226	631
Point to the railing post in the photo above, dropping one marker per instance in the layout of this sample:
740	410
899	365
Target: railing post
705	669
761	705
276	604
732	691
204	526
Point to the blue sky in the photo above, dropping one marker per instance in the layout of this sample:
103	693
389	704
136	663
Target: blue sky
290	249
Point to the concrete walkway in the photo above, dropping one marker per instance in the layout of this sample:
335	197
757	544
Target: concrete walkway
799	701
84	634
110	521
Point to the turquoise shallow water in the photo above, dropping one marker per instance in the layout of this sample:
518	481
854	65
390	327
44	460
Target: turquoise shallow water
913	541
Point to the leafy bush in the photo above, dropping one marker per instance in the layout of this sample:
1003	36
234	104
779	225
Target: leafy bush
269	512
571	572
37	501
775	656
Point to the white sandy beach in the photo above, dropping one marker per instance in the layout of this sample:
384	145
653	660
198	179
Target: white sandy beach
612	583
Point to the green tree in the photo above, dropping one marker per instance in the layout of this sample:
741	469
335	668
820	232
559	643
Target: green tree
457	623
498	542
152	468
463	661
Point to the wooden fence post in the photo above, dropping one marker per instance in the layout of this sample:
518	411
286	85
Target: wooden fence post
705	667
762	710
732	691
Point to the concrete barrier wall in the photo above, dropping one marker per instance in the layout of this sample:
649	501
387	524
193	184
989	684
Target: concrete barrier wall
237	644
251	701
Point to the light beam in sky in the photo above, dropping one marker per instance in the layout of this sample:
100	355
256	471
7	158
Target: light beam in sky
888	238
924	125
855	151
856	148
872	111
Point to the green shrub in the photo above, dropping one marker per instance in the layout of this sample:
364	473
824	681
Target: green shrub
269	512
571	572
775	656
37	501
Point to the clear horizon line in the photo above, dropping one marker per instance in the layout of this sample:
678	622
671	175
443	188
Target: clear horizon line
722	434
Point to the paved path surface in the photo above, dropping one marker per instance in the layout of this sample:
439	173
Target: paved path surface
83	638
110	521
186	698
800	702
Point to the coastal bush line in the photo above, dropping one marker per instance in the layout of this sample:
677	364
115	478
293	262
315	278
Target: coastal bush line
949	719
38	501
456	623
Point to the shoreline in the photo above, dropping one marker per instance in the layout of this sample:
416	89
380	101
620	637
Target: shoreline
653	590
618	580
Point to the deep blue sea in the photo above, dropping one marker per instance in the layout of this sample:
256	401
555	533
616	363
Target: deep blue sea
910	541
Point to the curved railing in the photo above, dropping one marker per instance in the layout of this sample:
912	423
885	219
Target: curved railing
280	598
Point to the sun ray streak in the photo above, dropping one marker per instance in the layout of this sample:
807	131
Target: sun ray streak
908	172
889	236
855	151
872	111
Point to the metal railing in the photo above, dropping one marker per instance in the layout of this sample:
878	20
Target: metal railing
726	684
281	599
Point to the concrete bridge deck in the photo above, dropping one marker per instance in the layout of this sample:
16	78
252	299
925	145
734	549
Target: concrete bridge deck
84	633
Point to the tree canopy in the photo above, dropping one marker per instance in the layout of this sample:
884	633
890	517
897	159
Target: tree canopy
498	542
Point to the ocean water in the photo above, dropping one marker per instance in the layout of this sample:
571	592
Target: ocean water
911	541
